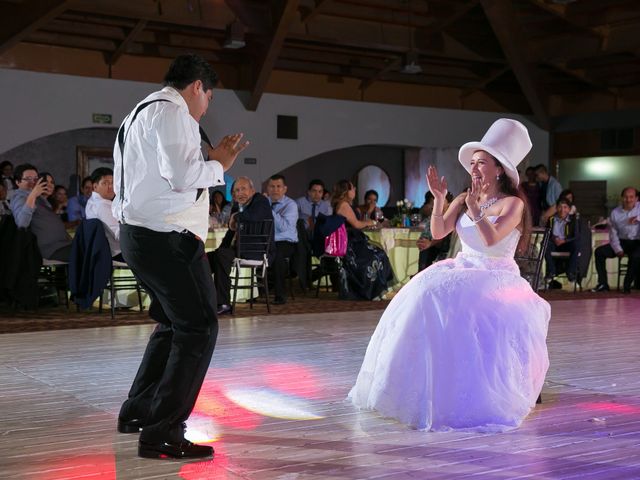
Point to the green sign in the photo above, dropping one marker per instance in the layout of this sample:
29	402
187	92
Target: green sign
104	118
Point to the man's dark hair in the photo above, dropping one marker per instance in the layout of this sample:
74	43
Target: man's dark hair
369	192
529	169
635	190
278	176
428	197
100	172
186	69
563	201
541	168
20	169
316	181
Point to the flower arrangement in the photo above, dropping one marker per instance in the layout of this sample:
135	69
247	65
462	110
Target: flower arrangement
404	211
404	207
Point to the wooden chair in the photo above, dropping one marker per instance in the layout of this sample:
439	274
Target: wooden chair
530	258
122	278
55	274
623	266
329	265
252	252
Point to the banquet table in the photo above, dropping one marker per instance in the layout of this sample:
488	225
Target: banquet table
400	246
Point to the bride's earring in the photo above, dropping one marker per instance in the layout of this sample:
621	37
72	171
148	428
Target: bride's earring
497	177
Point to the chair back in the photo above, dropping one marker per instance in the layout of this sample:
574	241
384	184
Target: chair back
254	240
529	258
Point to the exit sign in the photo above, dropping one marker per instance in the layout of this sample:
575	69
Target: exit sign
103	118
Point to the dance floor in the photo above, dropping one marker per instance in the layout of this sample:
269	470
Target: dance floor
273	405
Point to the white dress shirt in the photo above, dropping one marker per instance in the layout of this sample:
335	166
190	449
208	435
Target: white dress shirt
623	226
100	208
164	168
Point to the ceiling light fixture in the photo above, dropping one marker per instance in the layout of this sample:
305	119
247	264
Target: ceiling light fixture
234	35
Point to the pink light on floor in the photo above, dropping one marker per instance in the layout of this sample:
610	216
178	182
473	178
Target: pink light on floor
213	403
216	468
292	379
609	407
97	466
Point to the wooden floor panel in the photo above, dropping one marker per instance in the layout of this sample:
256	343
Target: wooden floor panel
60	392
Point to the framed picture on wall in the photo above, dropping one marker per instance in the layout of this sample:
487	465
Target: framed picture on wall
90	158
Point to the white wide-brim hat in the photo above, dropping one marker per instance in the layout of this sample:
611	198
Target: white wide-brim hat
507	140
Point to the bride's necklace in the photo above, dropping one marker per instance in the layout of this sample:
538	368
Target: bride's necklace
487	204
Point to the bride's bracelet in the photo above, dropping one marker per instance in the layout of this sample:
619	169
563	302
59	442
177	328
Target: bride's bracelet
477	220
434	215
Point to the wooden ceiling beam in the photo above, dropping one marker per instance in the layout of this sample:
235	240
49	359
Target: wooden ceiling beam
129	39
392	65
503	22
309	14
206	14
18	20
486	81
256	20
284	12
560	11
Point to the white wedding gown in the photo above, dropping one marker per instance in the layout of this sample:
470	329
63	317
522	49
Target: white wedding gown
461	346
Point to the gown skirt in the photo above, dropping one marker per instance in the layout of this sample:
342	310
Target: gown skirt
461	346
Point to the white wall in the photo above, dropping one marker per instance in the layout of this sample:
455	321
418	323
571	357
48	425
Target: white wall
40	104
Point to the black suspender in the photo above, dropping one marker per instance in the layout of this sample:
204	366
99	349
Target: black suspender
122	138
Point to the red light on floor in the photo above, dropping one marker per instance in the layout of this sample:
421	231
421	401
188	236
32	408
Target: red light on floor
610	407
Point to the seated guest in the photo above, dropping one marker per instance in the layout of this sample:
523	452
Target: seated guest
5	209
568	196
367	268
31	210
77	204
285	216
99	206
217	207
312	204
6	174
431	249
58	201
531	189
563	229
370	208
249	207
624	239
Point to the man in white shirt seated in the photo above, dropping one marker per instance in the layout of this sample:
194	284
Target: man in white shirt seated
285	216
624	238
99	206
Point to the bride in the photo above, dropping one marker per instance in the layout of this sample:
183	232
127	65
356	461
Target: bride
462	345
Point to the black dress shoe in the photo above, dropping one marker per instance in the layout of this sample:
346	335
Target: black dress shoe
601	287
130	426
279	301
224	309
183	449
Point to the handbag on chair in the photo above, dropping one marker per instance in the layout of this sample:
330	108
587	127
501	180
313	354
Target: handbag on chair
335	244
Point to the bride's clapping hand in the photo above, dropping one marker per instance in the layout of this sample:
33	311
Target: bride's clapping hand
437	185
473	194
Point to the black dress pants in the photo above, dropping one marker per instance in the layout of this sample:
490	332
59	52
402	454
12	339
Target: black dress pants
630	248
174	270
221	261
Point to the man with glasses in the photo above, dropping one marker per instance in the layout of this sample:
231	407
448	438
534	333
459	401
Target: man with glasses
31	210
